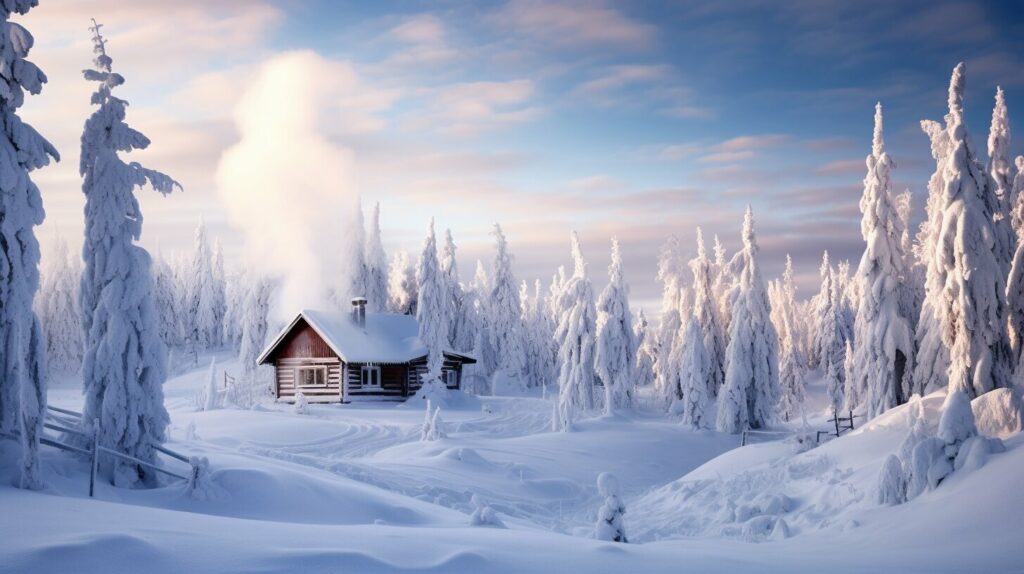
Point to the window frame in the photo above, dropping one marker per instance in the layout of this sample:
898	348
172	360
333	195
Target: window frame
300	382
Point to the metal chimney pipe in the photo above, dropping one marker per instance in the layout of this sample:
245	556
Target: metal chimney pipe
359	311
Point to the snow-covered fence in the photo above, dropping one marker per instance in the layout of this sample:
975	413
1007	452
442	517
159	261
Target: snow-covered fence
747	435
67	422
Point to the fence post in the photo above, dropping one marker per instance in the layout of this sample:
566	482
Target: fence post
851	419
95	456
835	419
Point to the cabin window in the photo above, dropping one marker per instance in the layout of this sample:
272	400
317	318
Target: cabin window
451	378
370	376
311	376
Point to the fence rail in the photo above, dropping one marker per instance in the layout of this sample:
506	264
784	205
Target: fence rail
59	422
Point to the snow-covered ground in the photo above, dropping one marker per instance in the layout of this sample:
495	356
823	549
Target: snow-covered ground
352	488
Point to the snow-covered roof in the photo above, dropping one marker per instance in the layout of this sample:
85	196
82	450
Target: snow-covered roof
386	337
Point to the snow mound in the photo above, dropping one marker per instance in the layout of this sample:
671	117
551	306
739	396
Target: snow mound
998	413
441	397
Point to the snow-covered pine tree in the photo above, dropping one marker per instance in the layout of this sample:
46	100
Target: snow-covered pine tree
1017	195
487	359
453	296
546	351
912	280
721	287
504	312
431	308
750	394
932	356
402	285
792	360
57	308
884	332
974	321
124	368
851	392
376	266
824	315
165	291
670	275
22	364
357	270
1001	170
705	310
615	355
219	288
693	376
646	351
202	324
254	325
577	333
236	288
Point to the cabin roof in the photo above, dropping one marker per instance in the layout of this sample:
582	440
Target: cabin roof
386	337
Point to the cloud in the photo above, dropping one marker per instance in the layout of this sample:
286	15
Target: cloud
841	167
596	183
575	24
424	42
470	108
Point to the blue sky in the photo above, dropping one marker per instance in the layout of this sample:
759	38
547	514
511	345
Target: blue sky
629	119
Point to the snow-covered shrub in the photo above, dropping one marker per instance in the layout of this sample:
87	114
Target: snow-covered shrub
925	461
433	426
484	515
609	517
200	483
301	405
998	413
892	486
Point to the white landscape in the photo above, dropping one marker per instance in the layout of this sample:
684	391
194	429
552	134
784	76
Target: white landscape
301	388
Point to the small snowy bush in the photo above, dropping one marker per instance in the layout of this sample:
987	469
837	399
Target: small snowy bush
200	484
433	426
609	517
301	406
924	461
484	515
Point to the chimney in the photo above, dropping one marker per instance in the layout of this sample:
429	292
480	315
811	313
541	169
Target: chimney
359	311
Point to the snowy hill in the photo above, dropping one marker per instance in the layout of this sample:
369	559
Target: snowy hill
353	489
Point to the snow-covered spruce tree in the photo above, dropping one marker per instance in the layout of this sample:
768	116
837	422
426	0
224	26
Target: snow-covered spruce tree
577	333
487	359
402	294
254	320
376	266
721	287
1017	216
792	360
705	309
219	289
165	287
431	308
504	312
546	351
974	323
124	369
357	273
236	289
912	279
884	333
22	363
693	375
750	394
615	356
609	518
670	271
57	308
1001	170
646	351
453	296
823	315
202	324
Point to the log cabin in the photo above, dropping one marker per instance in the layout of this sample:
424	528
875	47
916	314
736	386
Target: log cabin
332	356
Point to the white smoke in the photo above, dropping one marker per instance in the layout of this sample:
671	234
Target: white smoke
285	184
